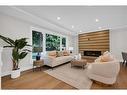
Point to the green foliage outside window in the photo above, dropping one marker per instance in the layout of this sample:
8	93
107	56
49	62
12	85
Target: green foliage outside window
52	42
63	42
37	41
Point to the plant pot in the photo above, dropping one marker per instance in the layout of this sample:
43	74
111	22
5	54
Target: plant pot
15	73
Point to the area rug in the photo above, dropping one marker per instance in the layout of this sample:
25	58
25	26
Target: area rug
74	76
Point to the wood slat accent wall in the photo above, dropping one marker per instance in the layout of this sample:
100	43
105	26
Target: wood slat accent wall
98	41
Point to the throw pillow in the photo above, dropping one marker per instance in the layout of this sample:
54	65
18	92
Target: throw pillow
79	56
98	59
76	57
66	53
52	53
107	57
105	52
59	53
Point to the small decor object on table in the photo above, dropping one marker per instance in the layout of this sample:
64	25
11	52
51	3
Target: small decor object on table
38	64
38	51
38	56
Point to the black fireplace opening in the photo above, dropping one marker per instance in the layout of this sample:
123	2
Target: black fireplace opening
92	53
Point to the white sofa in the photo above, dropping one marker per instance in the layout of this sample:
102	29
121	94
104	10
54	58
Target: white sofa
105	72
52	62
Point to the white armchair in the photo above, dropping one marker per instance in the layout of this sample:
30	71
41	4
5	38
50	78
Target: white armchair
105	72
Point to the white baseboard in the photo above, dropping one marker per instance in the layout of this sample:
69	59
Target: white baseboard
5	73
22	69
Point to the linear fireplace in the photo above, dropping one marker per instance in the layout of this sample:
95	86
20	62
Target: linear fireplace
92	53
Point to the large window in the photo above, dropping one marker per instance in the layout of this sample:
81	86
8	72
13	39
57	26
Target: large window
63	43
37	42
52	42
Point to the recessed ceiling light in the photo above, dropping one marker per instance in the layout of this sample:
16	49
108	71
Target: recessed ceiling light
80	31
58	18
99	27
97	20
72	26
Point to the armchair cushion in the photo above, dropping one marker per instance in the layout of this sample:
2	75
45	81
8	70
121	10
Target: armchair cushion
107	57
105	73
108	69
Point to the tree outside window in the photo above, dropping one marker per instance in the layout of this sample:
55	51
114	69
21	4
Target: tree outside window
63	43
52	42
37	42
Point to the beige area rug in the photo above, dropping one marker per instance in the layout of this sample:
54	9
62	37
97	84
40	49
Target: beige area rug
74	76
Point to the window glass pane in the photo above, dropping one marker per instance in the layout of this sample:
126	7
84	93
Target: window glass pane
37	43
63	43
52	42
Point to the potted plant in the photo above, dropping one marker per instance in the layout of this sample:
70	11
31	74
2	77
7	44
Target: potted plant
18	52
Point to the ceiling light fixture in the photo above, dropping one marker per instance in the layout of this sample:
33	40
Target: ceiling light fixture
72	26
97	20
58	18
80	31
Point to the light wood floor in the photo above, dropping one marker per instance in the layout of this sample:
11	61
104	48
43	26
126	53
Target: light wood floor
41	80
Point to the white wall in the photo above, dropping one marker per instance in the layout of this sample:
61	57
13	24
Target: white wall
74	43
118	41
15	28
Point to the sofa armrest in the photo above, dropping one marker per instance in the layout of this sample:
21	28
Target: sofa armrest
48	60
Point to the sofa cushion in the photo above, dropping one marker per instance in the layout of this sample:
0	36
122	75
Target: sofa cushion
66	53
59	53
52	54
52	57
60	60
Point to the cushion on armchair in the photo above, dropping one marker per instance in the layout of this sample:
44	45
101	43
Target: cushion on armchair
106	57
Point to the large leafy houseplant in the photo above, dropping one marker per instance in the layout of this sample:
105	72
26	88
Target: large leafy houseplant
18	49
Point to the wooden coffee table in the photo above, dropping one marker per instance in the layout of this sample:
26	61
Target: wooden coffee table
80	63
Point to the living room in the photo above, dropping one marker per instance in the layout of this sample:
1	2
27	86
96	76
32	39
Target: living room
74	37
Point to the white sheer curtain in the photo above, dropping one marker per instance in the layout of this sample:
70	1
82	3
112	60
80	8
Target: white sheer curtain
0	64
118	38
0	56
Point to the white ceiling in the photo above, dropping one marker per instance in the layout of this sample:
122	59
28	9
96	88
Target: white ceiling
81	17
